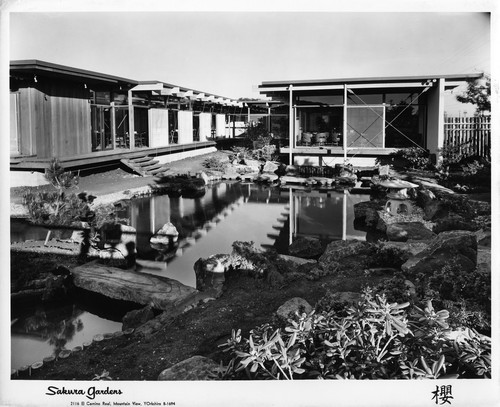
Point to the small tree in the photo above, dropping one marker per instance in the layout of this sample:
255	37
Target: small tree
478	93
50	207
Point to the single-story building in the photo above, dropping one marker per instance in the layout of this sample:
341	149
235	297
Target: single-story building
89	119
359	119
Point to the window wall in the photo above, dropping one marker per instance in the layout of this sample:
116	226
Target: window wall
376	118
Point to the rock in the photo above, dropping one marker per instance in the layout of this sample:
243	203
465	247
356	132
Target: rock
194	368
136	318
484	260
288	309
454	246
210	275
163	235
483	237
367	212
254	165
453	222
270	167
298	261
435	210
339	251
203	175
266	177
306	247
409	249
403	231
142	288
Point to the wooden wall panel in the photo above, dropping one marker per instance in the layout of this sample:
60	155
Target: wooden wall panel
70	120
185	126
158	127
220	122
205	126
41	123
14	123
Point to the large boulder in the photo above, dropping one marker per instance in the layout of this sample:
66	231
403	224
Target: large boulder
289	308
453	222
341	254
194	368
403	231
136	318
306	247
454	246
248	258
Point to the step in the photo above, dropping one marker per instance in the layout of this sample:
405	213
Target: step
151	166
157	171
138	160
149	163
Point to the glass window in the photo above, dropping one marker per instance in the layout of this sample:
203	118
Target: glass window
401	98
357	97
320	99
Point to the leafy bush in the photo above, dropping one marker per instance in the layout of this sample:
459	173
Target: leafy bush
256	131
215	164
415	157
373	340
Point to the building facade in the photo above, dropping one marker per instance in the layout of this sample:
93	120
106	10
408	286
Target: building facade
358	120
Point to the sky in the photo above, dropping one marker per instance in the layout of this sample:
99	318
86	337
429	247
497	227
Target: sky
229	53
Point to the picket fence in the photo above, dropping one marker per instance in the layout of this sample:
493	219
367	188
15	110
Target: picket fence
472	135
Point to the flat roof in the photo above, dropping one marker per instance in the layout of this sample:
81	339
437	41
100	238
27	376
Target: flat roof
380	80
51	69
32	65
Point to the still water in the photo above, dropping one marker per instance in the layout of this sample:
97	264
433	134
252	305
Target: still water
271	217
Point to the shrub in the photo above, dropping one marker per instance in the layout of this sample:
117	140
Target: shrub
215	164
373	340
415	157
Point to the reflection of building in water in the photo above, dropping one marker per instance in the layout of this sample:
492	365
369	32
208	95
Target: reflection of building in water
270	217
326	215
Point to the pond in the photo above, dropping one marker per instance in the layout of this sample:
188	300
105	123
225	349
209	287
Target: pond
271	217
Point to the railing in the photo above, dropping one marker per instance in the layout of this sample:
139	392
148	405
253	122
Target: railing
472	135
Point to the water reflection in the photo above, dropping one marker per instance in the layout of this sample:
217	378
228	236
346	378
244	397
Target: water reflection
271	217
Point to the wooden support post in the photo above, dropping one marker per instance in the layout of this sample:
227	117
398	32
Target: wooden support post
131	127
344	125
291	132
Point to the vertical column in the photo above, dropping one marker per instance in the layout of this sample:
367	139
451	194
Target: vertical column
344	125
131	126
291	141
435	118
113	126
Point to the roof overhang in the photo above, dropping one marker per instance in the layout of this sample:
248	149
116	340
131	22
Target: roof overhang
404	82
38	67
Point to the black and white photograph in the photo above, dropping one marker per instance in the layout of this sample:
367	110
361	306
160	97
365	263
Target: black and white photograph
262	204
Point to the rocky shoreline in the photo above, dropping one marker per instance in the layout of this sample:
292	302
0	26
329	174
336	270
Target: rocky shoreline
441	227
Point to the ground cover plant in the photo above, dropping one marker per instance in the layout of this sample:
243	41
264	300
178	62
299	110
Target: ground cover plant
374	339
